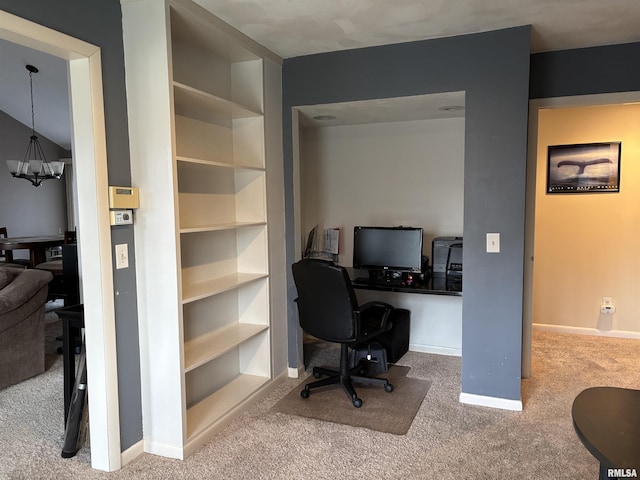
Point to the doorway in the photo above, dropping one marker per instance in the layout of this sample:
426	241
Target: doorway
94	239
533	188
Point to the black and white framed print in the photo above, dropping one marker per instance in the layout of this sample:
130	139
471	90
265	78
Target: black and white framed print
584	168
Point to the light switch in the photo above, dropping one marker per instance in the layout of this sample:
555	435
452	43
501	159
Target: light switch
122	256
493	243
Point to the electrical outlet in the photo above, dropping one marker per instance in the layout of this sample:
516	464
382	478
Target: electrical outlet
607	306
122	256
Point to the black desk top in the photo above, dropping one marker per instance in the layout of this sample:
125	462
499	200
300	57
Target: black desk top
428	285
607	421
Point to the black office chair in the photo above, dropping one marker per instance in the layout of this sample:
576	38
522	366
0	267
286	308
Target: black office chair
328	310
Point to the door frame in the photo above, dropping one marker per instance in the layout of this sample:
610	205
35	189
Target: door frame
94	236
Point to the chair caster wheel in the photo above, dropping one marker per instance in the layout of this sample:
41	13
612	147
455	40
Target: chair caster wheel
388	388
316	375
357	402
304	393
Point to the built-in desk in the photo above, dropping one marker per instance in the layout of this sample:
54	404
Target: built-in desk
435	305
428	285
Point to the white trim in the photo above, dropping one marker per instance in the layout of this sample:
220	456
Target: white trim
493	402
449	351
94	237
131	453
543	327
295	372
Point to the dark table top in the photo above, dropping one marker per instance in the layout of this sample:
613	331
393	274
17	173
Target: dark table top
607	421
419	284
18	243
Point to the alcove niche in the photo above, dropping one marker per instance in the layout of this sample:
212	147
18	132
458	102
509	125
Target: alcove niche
386	162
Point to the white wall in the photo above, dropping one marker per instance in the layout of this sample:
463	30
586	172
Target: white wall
390	174
586	245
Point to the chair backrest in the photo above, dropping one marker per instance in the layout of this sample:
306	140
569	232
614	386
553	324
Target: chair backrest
6	255
326	300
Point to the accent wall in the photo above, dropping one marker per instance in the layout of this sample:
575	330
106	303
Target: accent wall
493	70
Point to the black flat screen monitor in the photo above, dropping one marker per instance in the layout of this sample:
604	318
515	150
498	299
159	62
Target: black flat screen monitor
388	248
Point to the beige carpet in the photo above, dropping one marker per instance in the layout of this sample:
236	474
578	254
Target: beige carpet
381	411
447	440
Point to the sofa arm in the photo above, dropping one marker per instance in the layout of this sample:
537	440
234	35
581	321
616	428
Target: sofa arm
25	285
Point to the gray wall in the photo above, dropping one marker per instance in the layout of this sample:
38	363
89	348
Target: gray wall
99	22
24	209
586	71
493	69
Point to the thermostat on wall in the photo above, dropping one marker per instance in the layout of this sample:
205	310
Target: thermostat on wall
123	197
121	217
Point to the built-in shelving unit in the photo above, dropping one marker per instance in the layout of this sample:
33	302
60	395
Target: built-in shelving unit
204	227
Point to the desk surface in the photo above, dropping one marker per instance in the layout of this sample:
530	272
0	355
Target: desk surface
607	421
428	286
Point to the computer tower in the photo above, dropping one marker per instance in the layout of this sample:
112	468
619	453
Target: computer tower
440	254
396	340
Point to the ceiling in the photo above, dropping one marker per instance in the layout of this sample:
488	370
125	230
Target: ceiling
300	27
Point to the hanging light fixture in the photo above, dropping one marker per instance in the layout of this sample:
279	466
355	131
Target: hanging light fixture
34	166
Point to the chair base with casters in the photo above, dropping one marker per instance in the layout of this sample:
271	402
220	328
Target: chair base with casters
346	377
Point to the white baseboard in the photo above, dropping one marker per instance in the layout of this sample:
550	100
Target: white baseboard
450	351
296	372
132	453
493	402
543	327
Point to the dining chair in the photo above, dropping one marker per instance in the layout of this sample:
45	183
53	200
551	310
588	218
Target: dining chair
6	256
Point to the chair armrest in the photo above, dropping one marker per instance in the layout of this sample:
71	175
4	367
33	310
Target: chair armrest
383	319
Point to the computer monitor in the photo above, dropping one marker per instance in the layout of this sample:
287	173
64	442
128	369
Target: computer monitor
396	249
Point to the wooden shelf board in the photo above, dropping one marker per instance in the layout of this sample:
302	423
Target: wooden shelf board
211	163
215	406
221	226
194	99
215	286
208	347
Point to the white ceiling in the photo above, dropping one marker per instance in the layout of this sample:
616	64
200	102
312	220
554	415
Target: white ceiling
299	27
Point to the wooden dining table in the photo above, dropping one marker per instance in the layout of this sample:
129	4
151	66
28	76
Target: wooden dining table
37	246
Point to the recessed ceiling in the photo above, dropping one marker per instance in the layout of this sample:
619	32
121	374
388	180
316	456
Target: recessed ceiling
300	27
382	110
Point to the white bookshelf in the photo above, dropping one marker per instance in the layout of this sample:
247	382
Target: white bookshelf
197	130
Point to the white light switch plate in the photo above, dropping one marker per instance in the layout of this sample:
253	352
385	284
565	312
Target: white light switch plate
493	243
122	256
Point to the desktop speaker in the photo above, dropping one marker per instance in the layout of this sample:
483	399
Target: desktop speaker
440	254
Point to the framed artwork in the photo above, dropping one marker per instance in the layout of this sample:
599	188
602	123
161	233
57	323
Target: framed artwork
584	168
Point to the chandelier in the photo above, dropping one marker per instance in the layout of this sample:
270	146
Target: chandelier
34	167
